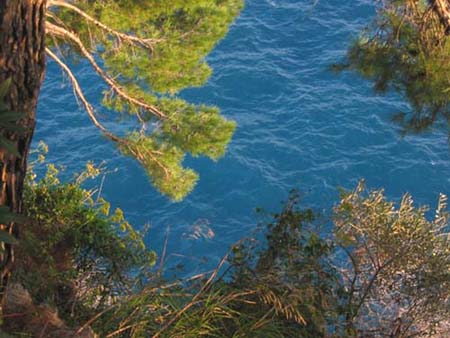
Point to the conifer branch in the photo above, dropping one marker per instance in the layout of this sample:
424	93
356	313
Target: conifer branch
61	32
151	153
90	110
57	20
148	43
79	93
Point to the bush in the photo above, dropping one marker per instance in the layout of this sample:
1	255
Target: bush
75	253
396	275
382	271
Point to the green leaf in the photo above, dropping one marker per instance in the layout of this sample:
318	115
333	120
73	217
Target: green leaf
182	34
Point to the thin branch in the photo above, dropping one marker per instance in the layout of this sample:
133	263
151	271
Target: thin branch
147	43
372	280
352	284
80	95
152	154
119	331
57	20
195	298
59	31
163	255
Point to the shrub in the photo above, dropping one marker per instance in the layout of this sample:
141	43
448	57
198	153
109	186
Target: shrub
75	253
382	271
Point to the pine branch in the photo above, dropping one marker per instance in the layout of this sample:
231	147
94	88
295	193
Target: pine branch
79	93
90	110
147	43
63	33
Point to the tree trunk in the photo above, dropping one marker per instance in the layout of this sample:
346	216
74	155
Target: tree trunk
22	60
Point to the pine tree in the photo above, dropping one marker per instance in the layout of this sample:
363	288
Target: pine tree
146	52
407	49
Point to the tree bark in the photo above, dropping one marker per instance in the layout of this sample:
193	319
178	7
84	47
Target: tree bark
22	60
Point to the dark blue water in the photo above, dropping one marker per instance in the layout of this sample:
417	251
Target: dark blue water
300	126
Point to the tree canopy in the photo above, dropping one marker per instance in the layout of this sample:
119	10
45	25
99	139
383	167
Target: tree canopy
146	52
407	49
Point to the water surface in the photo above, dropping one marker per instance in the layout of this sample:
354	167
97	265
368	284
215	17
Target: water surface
299	126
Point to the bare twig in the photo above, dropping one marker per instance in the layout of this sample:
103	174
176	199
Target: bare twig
80	95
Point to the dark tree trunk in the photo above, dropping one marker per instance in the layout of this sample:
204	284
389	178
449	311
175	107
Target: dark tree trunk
22	59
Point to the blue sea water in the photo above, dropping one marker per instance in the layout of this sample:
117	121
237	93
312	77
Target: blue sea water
299	126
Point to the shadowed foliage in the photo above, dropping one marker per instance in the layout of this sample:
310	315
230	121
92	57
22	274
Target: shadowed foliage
407	49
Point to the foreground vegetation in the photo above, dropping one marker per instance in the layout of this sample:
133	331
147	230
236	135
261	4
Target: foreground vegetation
144	53
383	271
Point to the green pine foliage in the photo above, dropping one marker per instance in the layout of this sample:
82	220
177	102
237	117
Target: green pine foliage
187	30
166	54
163	164
188	129
407	49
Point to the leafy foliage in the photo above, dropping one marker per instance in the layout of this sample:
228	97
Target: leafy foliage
281	291
147	52
407	49
184	32
76	253
292	275
383	271
199	133
398	276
